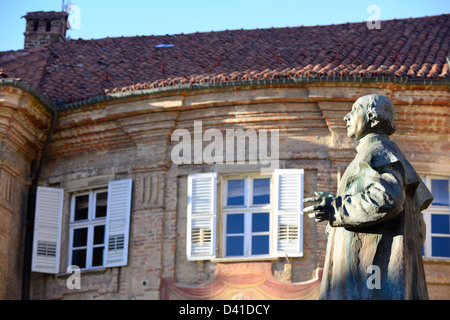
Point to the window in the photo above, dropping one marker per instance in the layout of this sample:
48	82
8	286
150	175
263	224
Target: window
98	232
259	215
437	219
246	211
87	229
48	26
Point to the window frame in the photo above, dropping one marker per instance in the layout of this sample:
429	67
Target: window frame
248	209
427	216
205	201
90	223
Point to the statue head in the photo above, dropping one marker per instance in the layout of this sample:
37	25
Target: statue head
372	113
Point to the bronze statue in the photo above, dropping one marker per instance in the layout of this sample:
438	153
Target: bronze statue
375	227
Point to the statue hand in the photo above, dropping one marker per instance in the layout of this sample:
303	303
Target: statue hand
319	196
320	212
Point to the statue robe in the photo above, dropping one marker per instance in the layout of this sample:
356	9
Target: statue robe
377	222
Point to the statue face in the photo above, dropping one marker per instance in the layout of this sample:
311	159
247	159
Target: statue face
358	124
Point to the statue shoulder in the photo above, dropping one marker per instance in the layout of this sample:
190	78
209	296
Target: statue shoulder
383	153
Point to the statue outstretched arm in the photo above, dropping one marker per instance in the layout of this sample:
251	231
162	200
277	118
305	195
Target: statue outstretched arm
379	197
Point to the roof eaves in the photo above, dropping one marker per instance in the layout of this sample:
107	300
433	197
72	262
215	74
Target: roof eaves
248	83
10	82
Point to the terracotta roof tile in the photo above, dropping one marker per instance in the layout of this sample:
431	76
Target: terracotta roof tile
74	70
28	65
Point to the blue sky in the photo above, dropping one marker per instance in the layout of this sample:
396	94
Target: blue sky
101	18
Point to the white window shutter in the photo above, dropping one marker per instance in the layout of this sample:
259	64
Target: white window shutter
47	230
118	223
201	216
288	220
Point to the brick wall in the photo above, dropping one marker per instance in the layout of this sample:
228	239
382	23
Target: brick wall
131	139
23	126
41	36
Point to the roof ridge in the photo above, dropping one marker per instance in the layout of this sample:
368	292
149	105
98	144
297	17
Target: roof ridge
222	31
246	30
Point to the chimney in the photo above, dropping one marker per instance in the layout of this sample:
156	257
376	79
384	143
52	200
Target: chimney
45	28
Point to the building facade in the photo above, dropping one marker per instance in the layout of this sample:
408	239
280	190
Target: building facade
190	186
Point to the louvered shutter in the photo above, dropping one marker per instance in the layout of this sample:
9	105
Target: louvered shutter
288	220
47	230
201	216
118	223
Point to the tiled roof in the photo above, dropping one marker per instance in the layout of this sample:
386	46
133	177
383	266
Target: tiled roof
28	65
79	69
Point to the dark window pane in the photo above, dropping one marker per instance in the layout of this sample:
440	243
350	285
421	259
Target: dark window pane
235	223
260	244
80	237
236	191
440	190
100	208
235	246
440	246
99	234
79	258
260	222
261	191
440	223
81	207
97	257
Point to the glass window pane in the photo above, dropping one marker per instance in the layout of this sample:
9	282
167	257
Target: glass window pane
260	244
440	223
81	207
80	237
97	257
79	258
235	246
261	191
99	234
440	246
440	190
235	223
260	222
100	205
235	196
